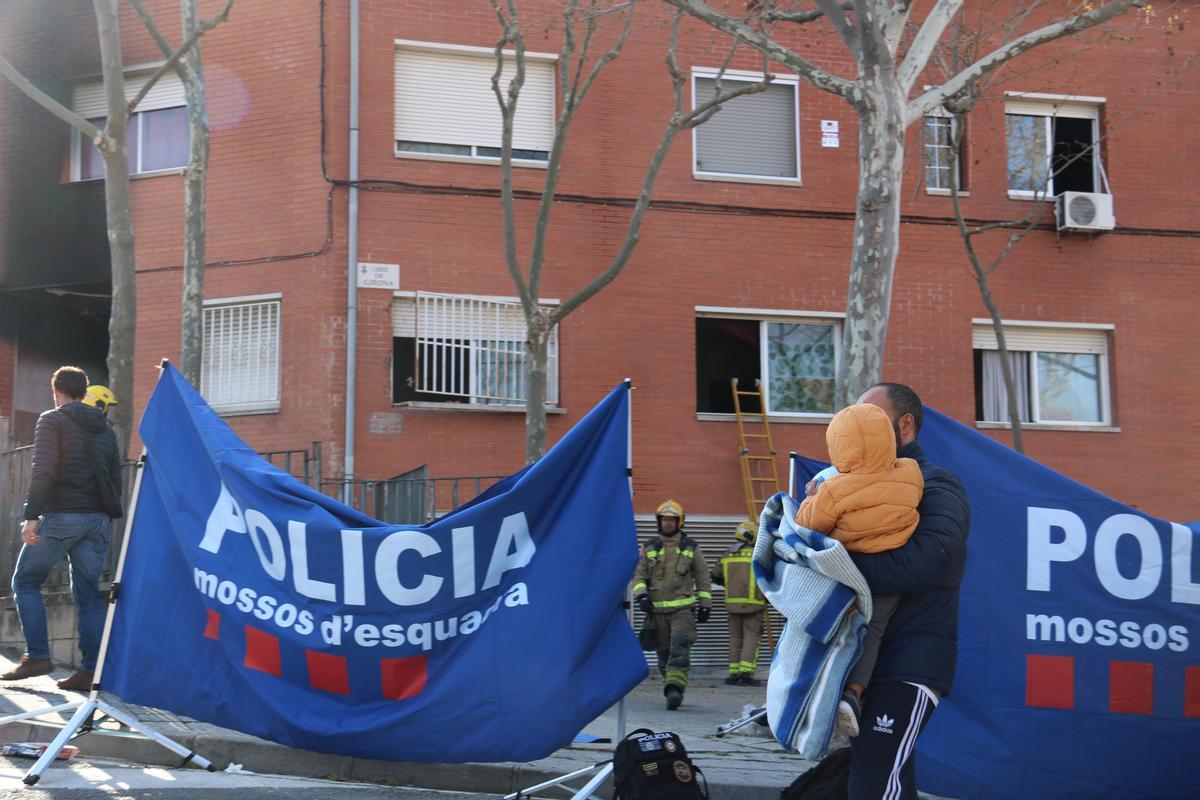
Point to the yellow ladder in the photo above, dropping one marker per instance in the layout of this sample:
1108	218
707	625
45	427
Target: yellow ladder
757	452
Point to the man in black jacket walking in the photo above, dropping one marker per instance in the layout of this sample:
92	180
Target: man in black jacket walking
64	516
919	649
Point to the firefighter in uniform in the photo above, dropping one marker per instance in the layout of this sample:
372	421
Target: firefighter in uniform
672	582
745	603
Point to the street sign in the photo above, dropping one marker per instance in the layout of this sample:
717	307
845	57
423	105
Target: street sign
378	276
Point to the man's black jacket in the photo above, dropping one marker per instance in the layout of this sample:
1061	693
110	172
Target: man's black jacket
920	644
63	479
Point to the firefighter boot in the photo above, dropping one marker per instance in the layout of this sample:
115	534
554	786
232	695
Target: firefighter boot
674	696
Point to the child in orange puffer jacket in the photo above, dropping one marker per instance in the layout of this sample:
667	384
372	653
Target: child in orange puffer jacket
869	506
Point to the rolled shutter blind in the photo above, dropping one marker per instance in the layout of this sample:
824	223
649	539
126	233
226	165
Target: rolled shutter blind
447	98
88	100
754	134
1046	340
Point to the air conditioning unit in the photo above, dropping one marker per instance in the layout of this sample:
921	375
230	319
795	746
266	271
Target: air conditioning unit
1084	211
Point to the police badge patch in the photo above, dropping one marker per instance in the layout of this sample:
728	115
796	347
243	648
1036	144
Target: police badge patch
683	771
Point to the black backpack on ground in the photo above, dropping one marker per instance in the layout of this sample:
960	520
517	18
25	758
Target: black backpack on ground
828	780
655	766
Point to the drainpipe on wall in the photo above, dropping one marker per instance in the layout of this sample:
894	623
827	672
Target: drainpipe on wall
352	260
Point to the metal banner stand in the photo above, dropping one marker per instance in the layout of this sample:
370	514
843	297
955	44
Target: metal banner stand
599	771
85	718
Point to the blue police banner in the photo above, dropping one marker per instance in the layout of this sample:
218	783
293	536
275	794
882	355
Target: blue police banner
254	602
1078	671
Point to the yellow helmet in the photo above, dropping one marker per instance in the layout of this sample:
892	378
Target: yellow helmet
100	396
670	508
747	529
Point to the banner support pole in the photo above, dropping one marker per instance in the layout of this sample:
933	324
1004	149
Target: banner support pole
83	720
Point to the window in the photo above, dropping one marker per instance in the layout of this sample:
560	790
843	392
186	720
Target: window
752	136
1052	146
158	130
940	174
445	107
794	357
240	368
463	349
1060	374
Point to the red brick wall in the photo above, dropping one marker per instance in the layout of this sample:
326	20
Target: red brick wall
790	252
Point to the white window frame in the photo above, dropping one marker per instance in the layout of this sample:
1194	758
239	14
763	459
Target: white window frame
134	78
984	326
1050	107
262	405
956	175
745	76
486	52
471	397
764	316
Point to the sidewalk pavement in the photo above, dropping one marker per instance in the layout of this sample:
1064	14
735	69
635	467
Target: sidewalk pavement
744	765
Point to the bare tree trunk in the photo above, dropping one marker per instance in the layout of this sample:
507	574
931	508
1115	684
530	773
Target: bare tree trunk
192	354
122	324
876	239
536	381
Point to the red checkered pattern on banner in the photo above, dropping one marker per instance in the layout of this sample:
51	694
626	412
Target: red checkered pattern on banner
400	678
328	672
403	677
1191	700
262	652
1049	681
1130	687
213	629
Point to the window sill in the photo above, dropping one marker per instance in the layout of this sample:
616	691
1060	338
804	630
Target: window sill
245	411
709	176
137	176
474	408
786	419
945	193
1047	426
1030	197
494	162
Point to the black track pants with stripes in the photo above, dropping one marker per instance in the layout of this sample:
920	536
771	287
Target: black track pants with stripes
892	719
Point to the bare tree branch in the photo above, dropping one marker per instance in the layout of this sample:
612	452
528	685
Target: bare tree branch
925	42
764	44
1006	52
47	102
174	59
511	33
800	17
841	23
897	21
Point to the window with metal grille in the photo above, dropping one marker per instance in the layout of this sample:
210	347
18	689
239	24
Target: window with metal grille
463	349
240	368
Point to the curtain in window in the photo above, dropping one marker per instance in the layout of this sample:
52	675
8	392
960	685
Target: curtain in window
165	137
800	367
995	398
500	372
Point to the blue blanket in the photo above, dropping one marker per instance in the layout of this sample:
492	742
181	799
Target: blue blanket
811	580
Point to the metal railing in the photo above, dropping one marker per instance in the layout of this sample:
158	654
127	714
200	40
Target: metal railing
408	501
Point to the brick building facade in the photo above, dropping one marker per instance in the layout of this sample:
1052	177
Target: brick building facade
728	263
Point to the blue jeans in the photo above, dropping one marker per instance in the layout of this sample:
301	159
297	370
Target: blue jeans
83	539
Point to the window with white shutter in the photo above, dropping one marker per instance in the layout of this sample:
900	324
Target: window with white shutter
445	107
1060	373
240	367
158	138
1052	145
753	136
463	349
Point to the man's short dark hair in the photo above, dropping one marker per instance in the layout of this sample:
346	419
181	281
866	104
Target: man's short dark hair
71	381
905	401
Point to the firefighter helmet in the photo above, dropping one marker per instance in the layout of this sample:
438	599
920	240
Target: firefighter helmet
670	508
100	396
747	529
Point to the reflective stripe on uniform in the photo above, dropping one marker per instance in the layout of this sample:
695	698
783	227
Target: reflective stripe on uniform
703	595
687	553
639	587
653	554
676	677
680	603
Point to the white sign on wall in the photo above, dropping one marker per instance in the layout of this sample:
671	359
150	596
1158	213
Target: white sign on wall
378	276
829	133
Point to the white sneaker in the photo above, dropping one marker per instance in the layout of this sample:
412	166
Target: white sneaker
847	720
